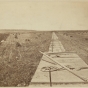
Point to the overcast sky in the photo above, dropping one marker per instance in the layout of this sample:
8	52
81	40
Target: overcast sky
43	15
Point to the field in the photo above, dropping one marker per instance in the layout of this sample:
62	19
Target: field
76	41
19	57
3	36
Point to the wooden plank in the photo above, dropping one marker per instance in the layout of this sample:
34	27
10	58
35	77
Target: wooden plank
85	80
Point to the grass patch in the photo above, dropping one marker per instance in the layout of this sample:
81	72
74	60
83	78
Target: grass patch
19	71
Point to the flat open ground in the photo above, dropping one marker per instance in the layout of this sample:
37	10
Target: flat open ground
20	56
69	59
75	41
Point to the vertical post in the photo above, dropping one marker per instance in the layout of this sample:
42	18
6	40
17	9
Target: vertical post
52	45
52	42
50	78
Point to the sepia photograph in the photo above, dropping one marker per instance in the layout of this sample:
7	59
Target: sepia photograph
43	43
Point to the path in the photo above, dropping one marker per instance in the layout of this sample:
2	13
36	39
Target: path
68	59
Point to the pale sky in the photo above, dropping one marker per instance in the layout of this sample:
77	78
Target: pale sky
44	15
